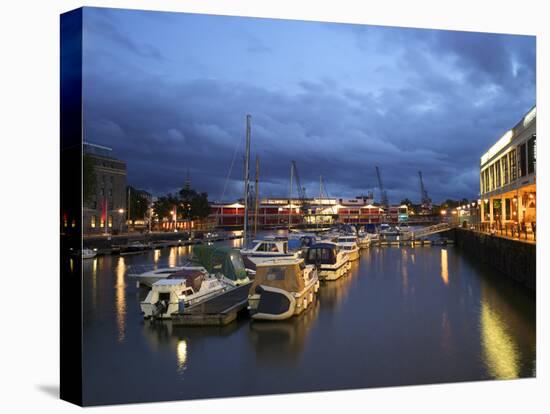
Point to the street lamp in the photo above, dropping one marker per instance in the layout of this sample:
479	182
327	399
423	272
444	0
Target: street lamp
121	212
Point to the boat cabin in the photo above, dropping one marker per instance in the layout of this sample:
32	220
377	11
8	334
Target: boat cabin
322	253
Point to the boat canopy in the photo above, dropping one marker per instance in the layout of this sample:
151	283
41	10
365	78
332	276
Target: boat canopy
216	259
193	277
322	253
286	276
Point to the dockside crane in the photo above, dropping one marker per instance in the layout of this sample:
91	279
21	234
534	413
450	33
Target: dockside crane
383	195
425	201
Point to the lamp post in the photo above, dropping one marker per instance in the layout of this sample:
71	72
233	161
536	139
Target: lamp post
121	212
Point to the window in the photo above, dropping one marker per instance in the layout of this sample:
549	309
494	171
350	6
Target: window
492	177
93	222
522	160
275	273
531	154
110	221
508	208
513	165
102	222
102	191
497	174
504	162
94	205
110	192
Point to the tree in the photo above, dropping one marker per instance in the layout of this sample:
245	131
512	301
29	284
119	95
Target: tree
88	177
164	206
194	205
138	205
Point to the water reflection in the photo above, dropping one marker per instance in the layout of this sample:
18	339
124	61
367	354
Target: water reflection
333	293
181	352
500	353
94	283
283	341
404	270
172	257
120	298
444	267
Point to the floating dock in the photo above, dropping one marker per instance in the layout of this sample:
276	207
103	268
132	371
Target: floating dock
218	311
410	243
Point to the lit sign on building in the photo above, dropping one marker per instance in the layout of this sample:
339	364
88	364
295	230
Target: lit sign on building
500	144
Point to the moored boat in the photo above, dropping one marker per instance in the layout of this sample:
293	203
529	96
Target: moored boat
268	249
349	245
282	288
182	289
89	253
330	260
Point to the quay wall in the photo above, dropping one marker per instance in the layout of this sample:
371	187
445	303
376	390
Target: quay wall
103	242
513	258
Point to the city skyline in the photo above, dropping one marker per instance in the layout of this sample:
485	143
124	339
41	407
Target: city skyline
337	98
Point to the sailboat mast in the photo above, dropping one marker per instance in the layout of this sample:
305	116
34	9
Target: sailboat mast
257	193
290	198
246	180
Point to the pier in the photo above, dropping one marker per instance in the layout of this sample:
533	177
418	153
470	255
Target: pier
218	311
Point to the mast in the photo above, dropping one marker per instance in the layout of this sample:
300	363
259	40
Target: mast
290	198
257	193
246	180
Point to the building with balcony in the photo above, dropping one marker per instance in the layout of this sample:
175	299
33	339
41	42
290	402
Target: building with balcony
508	177
277	212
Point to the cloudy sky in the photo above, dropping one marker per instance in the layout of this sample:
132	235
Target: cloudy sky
170	91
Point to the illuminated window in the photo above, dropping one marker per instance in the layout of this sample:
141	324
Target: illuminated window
497	174
110	221
102	222
93	221
73	223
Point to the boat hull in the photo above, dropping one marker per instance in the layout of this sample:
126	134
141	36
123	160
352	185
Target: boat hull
274	304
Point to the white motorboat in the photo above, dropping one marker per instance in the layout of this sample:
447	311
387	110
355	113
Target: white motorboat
268	249
386	230
349	245
89	253
330	260
282	288
134	247
182	289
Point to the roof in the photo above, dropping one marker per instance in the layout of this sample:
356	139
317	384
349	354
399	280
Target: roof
169	282
324	245
282	261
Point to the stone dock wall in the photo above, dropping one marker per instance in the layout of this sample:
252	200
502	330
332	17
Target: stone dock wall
513	258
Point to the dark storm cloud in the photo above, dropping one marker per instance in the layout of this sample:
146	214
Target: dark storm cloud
402	99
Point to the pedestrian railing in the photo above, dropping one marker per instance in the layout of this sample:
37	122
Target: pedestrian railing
520	231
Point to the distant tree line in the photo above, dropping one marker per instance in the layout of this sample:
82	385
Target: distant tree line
188	203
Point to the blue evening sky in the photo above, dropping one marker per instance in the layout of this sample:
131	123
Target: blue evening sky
170	91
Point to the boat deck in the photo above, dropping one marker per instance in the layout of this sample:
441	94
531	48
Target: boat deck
218	311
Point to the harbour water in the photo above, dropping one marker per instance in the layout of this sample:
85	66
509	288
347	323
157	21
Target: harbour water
403	316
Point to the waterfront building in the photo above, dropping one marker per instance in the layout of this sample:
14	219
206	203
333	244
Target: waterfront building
276	212
105	210
508	177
